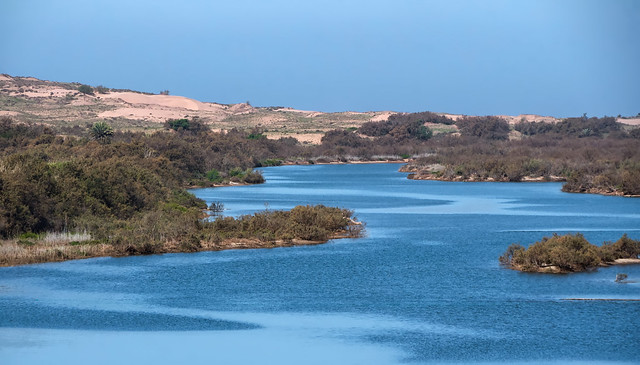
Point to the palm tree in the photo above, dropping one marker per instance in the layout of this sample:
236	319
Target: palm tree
101	132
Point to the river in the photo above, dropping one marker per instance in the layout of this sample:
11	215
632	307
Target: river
423	286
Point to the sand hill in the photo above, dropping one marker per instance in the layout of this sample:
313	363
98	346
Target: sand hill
61	104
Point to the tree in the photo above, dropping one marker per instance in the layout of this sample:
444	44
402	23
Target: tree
101	132
86	89
178	124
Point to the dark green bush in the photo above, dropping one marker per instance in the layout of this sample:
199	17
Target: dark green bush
177	124
85	89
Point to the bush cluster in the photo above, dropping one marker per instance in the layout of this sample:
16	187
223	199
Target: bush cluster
313	223
594	164
489	127
399	129
570	252
578	127
48	182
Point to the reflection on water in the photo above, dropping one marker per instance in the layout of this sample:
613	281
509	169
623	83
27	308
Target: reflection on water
423	286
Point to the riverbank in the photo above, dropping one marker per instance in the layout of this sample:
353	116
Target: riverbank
436	172
339	162
13	253
555	269
302	225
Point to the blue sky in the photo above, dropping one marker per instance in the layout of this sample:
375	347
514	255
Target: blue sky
560	58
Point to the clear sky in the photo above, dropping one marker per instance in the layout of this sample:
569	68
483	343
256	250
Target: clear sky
549	57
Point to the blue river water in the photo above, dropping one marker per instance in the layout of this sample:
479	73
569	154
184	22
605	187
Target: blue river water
423	286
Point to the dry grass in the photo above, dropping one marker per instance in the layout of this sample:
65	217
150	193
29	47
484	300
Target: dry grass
14	253
66	237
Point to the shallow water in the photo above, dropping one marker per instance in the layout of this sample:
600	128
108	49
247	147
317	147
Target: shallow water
423	286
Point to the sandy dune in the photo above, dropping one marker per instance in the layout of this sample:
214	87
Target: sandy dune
170	101
62	103
629	121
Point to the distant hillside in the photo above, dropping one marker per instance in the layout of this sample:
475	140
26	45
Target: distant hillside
62	104
73	105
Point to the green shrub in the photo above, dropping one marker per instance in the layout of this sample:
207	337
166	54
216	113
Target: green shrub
177	124
85	89
270	162
236	172
256	136
29	235
213	175
101	132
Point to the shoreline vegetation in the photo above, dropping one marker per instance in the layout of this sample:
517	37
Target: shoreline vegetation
302	225
127	189
590	155
570	253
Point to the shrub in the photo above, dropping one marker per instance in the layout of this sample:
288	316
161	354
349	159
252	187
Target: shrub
488	127
256	136
213	175
28	235
102	90
270	162
101	132
315	223
177	124
570	252
85	89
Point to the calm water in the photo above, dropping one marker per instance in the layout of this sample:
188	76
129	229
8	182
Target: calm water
424	285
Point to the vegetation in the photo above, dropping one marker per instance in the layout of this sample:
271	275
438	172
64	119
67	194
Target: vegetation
101	132
600	163
568	253
577	127
175	228
178	124
399	129
102	89
489	127
125	190
128	195
85	89
312	223
422	117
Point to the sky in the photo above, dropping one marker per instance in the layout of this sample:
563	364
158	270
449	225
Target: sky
550	57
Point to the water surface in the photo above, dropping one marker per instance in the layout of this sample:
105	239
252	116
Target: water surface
424	285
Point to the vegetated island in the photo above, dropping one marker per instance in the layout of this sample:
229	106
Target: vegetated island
174	229
570	253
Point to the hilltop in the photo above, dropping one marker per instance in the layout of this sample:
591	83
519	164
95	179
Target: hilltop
61	104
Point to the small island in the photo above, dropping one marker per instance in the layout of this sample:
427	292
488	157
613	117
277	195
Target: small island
570	253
